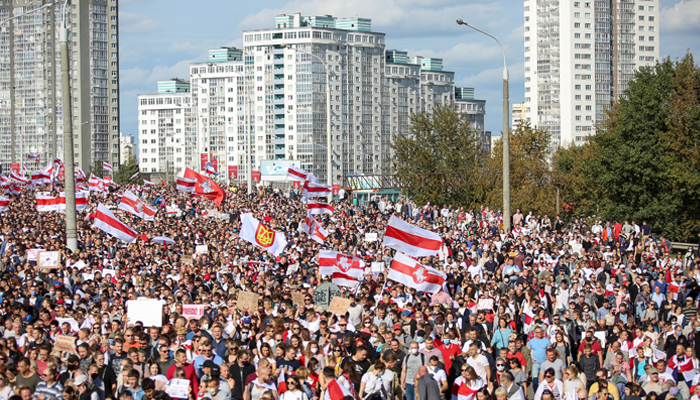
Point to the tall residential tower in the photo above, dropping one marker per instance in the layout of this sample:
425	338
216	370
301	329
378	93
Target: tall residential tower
579	58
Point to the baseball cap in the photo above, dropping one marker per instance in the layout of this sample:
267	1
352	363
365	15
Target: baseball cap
79	380
209	364
653	371
397	326
405	313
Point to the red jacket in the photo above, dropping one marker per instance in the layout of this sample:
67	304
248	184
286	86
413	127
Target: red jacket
189	374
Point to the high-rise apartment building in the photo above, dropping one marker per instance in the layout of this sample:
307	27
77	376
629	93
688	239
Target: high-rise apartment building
167	130
126	148
276	88
579	58
31	116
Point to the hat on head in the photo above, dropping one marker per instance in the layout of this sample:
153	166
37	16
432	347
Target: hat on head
208	364
73	359
406	313
246	320
653	371
397	326
181	331
79	380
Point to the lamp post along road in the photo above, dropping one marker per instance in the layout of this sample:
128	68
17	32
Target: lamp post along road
71	234
506	133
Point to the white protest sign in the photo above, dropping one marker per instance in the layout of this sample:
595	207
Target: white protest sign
79	265
178	388
150	312
377	267
32	253
195	311
371	237
201	249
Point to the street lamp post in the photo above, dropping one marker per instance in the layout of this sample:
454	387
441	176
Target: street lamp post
71	225
12	77
506	132
329	152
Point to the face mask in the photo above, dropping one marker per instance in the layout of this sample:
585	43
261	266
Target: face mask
373	340
402	299
314	350
367	325
33	293
420	339
205	327
414	351
501	367
212	391
446	341
615	331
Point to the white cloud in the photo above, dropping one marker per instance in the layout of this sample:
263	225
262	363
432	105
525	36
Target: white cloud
681	17
137	24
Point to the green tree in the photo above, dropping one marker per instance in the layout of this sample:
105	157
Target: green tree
438	142
644	162
96	169
531	185
127	170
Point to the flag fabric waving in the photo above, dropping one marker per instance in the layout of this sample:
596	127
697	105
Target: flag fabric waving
206	187
148	183
106	166
18	178
409	272
108	223
81	201
410	239
4	203
134	176
210	169
314	229
260	235
329	261
46	203
186	184
317	208
297	174
133	205
336	391
281	383
316	189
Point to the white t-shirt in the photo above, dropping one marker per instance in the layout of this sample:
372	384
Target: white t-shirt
373	383
480	363
438	374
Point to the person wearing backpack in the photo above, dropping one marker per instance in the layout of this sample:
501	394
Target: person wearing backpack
411	363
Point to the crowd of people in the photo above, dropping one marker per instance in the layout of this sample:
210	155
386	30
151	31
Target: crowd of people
550	310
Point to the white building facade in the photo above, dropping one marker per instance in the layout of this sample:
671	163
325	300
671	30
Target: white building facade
579	58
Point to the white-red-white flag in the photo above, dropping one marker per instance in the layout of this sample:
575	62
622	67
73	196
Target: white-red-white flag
316	189
96	184
108	223
314	229
318	208
297	174
410	239
47	203
21	179
148	183
14	188
329	261
409	272
336	391
107	180
40	178
4	181
134	176
106	166
4	203
132	204
81	201
186	184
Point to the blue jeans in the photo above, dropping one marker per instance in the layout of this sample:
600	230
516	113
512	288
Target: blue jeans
410	392
535	376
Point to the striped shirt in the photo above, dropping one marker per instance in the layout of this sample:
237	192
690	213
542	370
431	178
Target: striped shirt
49	392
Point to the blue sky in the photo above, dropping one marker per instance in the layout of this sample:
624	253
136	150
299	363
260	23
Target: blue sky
160	38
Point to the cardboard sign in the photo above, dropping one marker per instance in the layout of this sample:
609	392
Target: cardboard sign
371	237
248	302
88	277
201	249
339	305
178	388
298	299
48	259
111	272
65	343
485	304
32	253
195	311
79	265
187	260
377	267
150	312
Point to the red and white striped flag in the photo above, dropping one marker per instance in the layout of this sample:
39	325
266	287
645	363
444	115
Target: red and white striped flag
47	203
107	180
14	188
186	184
314	229
4	181
281	383
18	178
409	272
96	184
148	183
685	367
106	166
297	174
318	208
4	203
410	239
81	201
674	287
40	178
465	390
336	391
134	176
316	189
108	223
329	261
211	170
132	204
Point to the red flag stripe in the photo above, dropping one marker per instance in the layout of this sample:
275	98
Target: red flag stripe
114	223
408	270
413	240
